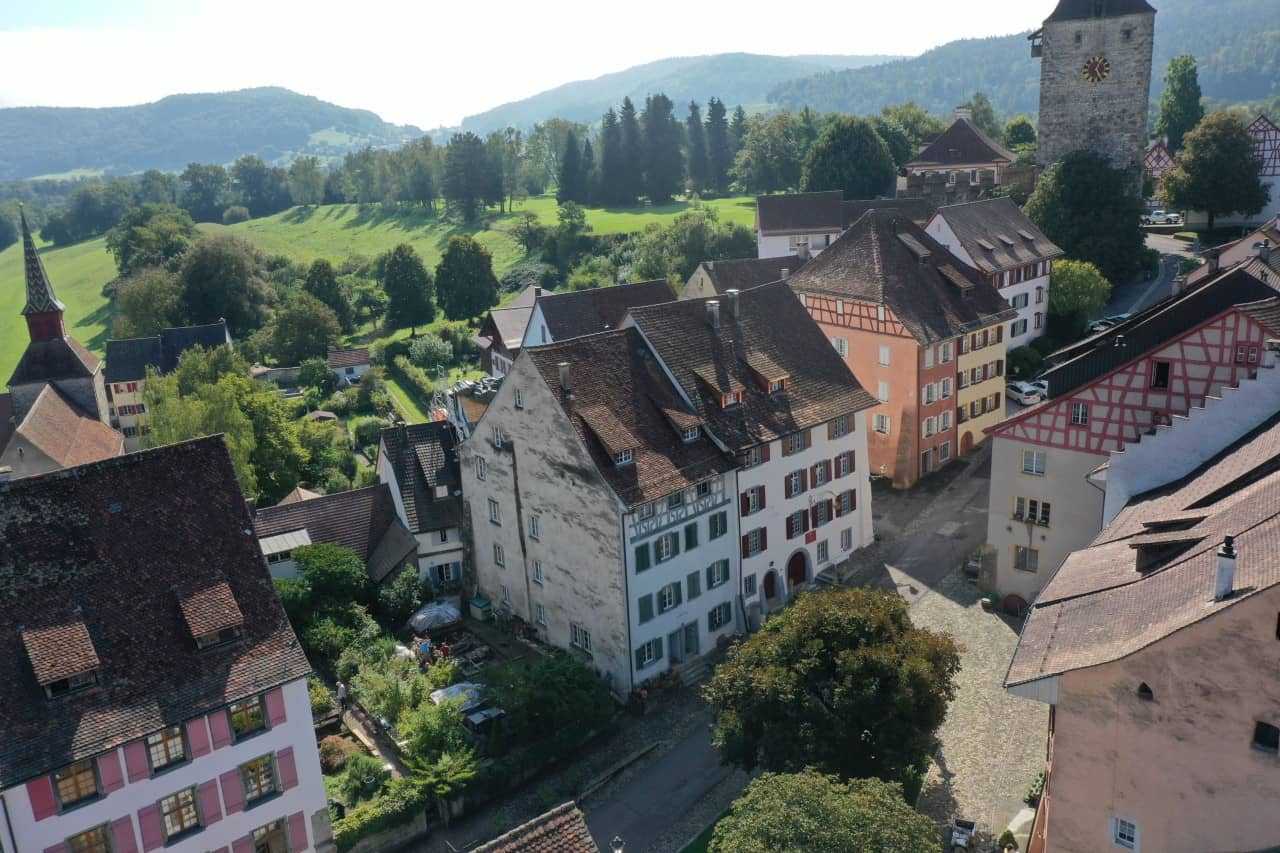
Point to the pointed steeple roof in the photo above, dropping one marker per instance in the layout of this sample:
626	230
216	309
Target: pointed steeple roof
40	296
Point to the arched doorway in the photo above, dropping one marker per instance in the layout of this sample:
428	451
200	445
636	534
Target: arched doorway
797	569
770	584
966	442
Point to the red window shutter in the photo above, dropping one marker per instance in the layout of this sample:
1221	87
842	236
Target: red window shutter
220	725
288	770
764	539
761	489
999	333
853	497
298	833
109	771
790	531
149	823
1000	368
804	521
744	504
197	736
831	511
804	480
122	838
813	472
786	446
242	845
135	760
40	792
786	486
831	430
826	468
209	802
764	453
839	508
232	791
275	707
745	545
808	439
997	396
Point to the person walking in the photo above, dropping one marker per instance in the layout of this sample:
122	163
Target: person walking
342	698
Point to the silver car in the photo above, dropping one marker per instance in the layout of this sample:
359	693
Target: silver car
1023	392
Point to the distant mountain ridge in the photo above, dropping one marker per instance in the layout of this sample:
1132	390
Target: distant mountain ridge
735	78
271	122
1236	43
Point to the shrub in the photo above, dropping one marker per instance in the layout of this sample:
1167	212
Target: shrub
430	351
1024	363
1035	791
335	751
362	779
322	702
390	687
235	213
1007	841
371	385
368	430
401	598
316	373
402	800
413	376
444	673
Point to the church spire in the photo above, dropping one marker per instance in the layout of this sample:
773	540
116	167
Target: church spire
43	310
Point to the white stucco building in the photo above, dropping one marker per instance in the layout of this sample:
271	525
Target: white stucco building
420	464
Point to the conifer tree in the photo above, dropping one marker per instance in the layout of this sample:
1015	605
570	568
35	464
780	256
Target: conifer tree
610	189
1180	108
696	149
587	175
663	163
570	175
719	151
632	154
738	129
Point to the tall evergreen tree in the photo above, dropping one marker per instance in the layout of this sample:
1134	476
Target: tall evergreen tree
410	288
719	150
610	159
738	129
568	181
587	182
663	163
1180	108
696	149
494	191
465	173
632	154
322	283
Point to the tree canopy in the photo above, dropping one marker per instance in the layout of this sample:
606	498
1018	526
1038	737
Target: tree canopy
1180	108
222	277
304	327
465	279
1217	170
322	283
409	288
1077	294
850	156
150	235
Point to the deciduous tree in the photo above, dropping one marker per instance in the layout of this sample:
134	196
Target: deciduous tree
204	193
306	181
304	327
465	279
150	235
322	283
145	303
223	277
849	156
983	114
1217	170
1077	294
409	288
1019	131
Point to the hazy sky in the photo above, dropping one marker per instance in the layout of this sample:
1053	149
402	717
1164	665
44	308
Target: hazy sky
428	62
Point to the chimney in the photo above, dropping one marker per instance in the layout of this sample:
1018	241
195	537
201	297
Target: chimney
1226	578
1264	250
713	314
786	273
564	377
1211	257
964	112
731	296
537	291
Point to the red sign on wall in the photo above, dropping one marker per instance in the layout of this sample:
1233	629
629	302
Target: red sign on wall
811	537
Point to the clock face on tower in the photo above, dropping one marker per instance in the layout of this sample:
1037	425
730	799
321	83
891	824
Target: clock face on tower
1097	69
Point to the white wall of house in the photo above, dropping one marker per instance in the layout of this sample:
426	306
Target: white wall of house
350	375
785	245
128	411
433	550
536	332
122	805
1200	219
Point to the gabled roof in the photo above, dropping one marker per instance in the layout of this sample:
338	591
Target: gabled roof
360	519
888	260
918	210
961	144
424	457
999	223
1099	608
128	360
340	358
585	312
561	830
58	430
770	321
798	213
113	545
54	359
40	295
509	325
746	273
623	401
1071	10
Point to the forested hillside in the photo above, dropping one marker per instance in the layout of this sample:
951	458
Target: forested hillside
271	123
1236	42
736	78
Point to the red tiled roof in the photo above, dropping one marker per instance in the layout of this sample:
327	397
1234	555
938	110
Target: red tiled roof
67	437
209	609
961	144
348	357
60	650
561	830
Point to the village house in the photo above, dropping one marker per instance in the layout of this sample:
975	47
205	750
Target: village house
714	278
963	164
56	413
152	692
1263	243
127	363
772	394
801	225
419	462
363	520
1154	646
502	331
561	316
1000	241
602	513
921	330
348	365
1107	393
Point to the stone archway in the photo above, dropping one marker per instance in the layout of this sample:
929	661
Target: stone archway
797	569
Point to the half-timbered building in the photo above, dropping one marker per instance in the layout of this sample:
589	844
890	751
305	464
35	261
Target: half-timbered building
1266	147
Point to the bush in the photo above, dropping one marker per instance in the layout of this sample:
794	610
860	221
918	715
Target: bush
401	598
390	687
372	385
430	351
402	800
1035	791
368	430
235	213
362	779
444	673
335	751
1024	363
316	373
415	377
1007	841
322	702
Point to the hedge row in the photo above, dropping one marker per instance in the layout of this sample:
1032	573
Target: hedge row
398	804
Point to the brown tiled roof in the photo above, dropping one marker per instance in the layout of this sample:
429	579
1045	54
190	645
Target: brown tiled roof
67	437
360	519
798	213
918	210
1265	313
623	401
59	650
771	322
746	273
999	223
561	830
424	456
887	260
1071	10
347	357
298	494
961	144
209	608
57	358
114	539
1099	608
585	312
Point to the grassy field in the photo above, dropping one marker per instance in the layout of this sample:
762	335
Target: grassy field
331	231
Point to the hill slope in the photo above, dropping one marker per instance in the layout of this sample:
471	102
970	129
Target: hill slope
174	131
1237	43
735	78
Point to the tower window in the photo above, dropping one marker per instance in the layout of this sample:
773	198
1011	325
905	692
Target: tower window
1079	38
1144	693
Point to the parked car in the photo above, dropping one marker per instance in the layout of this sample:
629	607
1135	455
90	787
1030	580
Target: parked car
1161	217
1023	392
1108	322
1041	385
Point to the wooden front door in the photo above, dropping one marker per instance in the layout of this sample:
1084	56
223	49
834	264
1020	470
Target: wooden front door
796	569
770	585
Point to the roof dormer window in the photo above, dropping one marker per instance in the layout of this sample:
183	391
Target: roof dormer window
777	386
217	638
733	398
623	457
62	656
71	683
691	434
211	614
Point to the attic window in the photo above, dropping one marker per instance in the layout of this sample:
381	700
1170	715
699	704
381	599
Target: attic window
71	684
733	398
62	656
691	434
1003	239
212	615
441	492
623	457
777	386
217	638
1145	694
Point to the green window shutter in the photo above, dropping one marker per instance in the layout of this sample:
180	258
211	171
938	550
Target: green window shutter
639	660
695	585
642	557
658	644
675	544
679	593
691	536
646	608
710	576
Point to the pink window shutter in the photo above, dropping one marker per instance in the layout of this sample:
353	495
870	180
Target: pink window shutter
298	832
275	707
57	848
198	737
242	845
220	725
135	761
209	802
288	769
122	838
109	771
232	791
149	823
40	792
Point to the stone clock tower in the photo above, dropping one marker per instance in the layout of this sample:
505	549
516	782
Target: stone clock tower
1095	81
